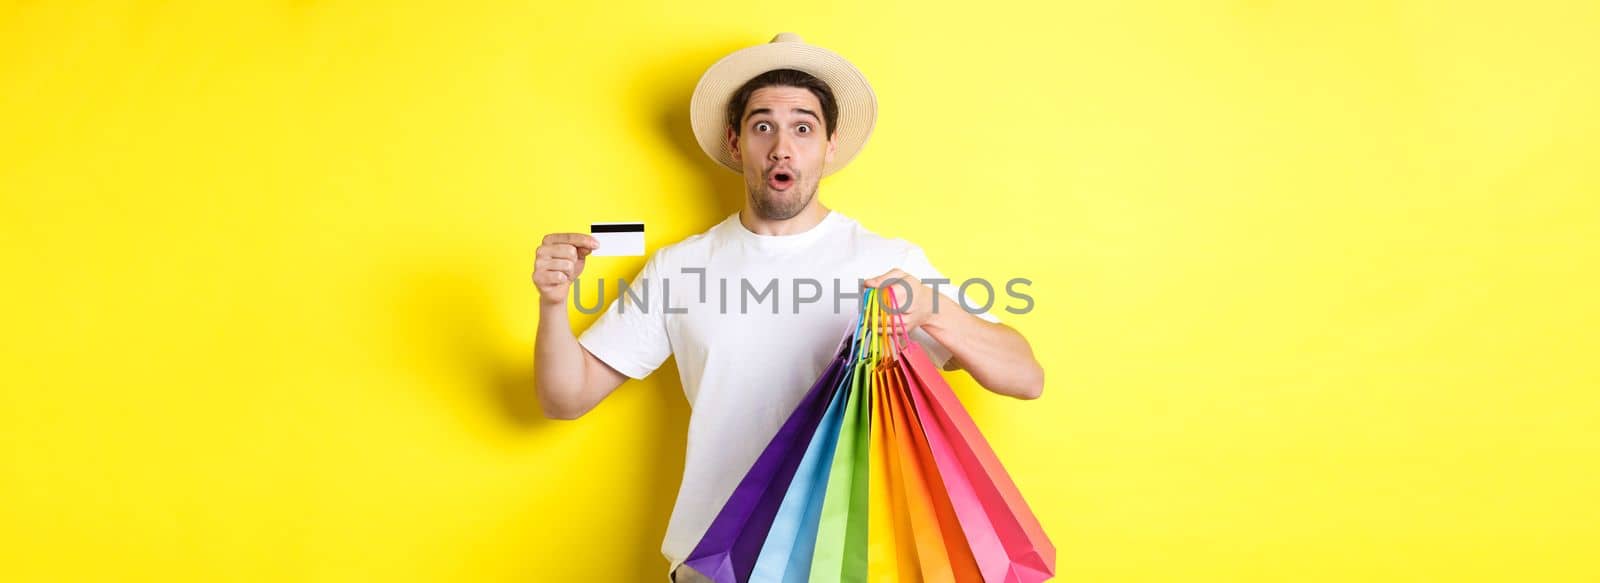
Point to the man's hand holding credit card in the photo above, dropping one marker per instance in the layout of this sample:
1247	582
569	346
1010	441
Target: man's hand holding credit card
560	258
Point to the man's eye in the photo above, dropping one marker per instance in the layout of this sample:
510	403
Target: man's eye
761	126
804	129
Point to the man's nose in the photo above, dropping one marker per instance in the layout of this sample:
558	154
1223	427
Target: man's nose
780	149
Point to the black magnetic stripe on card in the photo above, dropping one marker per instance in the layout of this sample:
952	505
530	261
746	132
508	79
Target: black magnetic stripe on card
628	228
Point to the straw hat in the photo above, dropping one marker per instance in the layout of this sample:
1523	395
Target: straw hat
858	107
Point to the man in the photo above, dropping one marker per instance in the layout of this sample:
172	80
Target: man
785	114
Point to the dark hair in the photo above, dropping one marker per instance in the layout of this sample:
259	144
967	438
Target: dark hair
784	78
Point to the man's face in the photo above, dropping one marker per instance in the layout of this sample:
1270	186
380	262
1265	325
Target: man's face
783	146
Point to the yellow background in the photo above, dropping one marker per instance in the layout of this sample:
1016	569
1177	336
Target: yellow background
1315	281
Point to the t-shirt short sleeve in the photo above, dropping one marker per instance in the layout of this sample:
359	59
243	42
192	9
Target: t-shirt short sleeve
629	339
916	263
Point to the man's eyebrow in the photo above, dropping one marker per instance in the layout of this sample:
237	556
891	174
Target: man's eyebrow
758	111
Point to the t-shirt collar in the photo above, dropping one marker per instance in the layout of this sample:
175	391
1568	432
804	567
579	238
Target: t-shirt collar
789	241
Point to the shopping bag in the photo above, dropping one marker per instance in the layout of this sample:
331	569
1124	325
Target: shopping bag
878	475
727	551
891	552
786	553
1006	539
940	546
840	554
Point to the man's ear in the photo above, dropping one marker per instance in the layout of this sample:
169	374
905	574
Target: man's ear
827	157
733	145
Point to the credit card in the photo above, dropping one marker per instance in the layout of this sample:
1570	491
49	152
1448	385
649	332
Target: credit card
618	239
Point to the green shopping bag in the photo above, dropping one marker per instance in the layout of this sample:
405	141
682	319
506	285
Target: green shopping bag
841	551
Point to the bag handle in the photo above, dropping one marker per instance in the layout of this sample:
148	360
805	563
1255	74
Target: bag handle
858	344
855	336
899	335
875	316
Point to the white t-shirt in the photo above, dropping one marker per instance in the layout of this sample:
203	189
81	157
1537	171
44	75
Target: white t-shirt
745	356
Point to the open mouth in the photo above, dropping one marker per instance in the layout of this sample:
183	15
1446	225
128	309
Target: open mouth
781	180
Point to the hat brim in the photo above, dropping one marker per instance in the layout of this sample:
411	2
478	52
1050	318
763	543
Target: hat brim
858	107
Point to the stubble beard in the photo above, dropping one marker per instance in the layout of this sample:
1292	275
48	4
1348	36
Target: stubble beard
773	205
